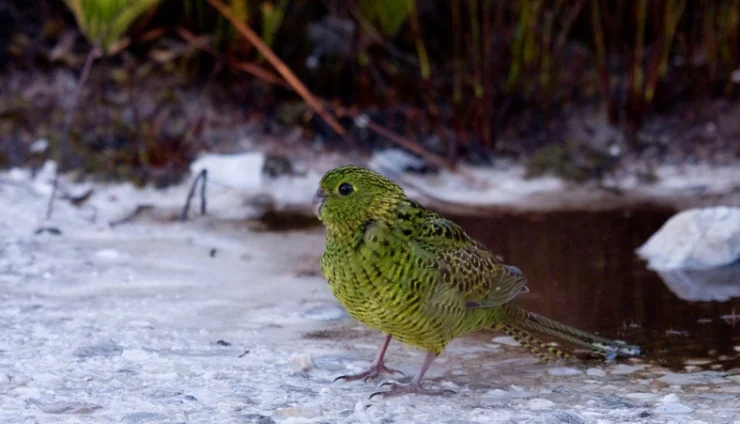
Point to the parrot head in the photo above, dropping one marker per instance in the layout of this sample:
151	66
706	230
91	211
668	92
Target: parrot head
350	194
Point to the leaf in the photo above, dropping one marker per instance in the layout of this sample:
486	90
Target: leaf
387	15
105	21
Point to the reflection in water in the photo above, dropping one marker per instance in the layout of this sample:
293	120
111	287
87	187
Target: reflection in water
720	284
583	271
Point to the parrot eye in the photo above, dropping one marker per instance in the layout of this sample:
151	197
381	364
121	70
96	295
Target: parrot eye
346	189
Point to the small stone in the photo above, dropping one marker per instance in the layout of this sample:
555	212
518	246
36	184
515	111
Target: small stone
539	403
671	398
39	146
595	372
136	354
641	396
301	362
505	340
622	369
27	392
563	417
564	371
325	313
256	419
111	255
69	408
449	385
142	417
697	361
163	394
676	379
298	412
106	349
673	408
47	380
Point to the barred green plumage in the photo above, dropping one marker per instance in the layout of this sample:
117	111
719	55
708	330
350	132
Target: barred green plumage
417	277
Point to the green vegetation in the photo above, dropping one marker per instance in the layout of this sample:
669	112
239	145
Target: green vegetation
105	21
462	72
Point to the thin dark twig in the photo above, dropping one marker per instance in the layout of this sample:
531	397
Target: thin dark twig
203	178
203	191
94	53
50	204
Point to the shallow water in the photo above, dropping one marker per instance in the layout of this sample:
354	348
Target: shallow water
583	271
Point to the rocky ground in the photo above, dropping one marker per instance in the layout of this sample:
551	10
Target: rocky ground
217	320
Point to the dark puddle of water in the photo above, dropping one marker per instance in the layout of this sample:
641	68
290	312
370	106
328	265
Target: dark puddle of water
583	271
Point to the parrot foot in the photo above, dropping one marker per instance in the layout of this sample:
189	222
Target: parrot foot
373	372
398	389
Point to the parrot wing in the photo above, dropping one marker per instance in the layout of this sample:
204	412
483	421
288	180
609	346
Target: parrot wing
464	265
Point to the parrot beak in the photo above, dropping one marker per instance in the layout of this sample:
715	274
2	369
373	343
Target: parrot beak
318	201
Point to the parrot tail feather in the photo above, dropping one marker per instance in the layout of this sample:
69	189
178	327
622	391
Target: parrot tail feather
530	321
534	344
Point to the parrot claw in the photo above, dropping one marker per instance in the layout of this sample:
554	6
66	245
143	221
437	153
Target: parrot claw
398	389
395	382
374	372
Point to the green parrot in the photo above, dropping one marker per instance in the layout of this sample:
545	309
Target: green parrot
415	276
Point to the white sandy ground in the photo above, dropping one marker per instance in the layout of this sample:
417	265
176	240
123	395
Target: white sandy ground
108	325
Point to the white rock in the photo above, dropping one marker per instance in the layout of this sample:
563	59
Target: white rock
564	371
135	354
595	372
678	379
622	369
497	393
325	313
695	239
111	255
539	403
671	398
39	146
641	396
673	408
301	362
27	392
47	380
697	361
302	412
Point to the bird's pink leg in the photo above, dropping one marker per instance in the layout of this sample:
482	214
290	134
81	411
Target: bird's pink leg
415	385
378	366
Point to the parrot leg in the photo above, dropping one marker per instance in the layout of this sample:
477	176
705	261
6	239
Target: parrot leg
378	366
415	385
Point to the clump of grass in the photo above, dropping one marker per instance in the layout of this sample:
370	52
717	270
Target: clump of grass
452	75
